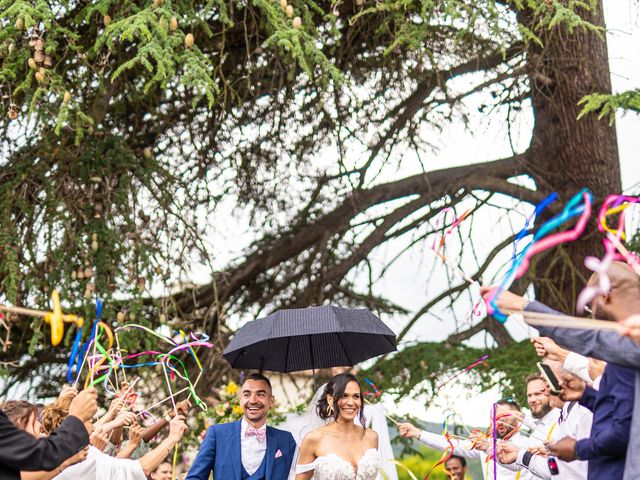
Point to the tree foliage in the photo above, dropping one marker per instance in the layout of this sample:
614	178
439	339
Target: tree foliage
606	105
130	130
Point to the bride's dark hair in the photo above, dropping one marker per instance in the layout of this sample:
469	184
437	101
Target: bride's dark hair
336	387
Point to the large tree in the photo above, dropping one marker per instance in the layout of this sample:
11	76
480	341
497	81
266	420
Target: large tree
131	129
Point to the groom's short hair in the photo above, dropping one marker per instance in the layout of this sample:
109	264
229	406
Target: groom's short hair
260	378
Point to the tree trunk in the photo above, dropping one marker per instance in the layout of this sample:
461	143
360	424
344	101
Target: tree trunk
569	154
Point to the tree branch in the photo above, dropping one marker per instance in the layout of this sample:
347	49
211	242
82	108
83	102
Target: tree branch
431	185
494	252
407	109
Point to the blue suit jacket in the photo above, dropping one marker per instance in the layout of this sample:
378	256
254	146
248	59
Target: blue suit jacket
220	452
612	348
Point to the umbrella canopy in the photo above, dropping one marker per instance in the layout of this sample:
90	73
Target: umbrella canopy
310	338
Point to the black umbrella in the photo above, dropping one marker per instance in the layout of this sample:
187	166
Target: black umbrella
310	338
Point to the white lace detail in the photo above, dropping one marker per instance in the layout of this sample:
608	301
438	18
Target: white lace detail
333	467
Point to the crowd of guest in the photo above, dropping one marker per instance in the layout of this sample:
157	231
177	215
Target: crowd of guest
62	440
583	420
584	426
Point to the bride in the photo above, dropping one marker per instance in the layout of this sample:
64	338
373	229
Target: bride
340	450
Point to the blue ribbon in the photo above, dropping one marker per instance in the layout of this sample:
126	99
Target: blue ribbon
78	354
573	208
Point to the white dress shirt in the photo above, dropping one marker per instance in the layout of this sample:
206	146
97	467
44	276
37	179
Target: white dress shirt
545	429
463	449
575	421
578	365
252	451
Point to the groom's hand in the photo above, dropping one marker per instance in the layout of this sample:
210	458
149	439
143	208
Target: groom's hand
408	430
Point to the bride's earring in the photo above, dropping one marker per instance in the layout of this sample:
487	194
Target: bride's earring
330	409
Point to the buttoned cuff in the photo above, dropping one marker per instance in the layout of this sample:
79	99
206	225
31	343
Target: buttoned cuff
524	458
578	365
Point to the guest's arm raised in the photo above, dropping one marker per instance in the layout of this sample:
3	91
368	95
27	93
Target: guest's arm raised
436	441
151	460
77	458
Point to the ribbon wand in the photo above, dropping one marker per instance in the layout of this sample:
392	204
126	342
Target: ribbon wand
147	409
175	409
84	360
124	375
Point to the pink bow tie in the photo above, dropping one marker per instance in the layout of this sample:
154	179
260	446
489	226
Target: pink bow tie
260	434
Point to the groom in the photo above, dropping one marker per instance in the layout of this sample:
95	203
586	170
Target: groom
247	449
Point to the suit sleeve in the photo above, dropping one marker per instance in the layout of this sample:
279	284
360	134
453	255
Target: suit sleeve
613	440
203	464
293	455
20	450
293	446
589	398
605	345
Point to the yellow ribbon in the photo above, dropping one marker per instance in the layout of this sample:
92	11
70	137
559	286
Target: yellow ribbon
613	211
56	319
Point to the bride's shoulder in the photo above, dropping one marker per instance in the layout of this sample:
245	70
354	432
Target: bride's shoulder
370	433
371	436
313	437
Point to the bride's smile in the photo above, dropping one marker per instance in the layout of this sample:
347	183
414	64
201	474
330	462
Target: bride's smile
350	404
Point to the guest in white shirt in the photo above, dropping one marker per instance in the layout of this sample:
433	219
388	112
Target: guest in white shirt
574	421
476	449
543	421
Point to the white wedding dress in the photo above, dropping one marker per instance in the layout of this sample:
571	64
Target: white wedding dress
334	467
301	424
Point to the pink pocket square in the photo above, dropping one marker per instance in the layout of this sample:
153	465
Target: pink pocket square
278	454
